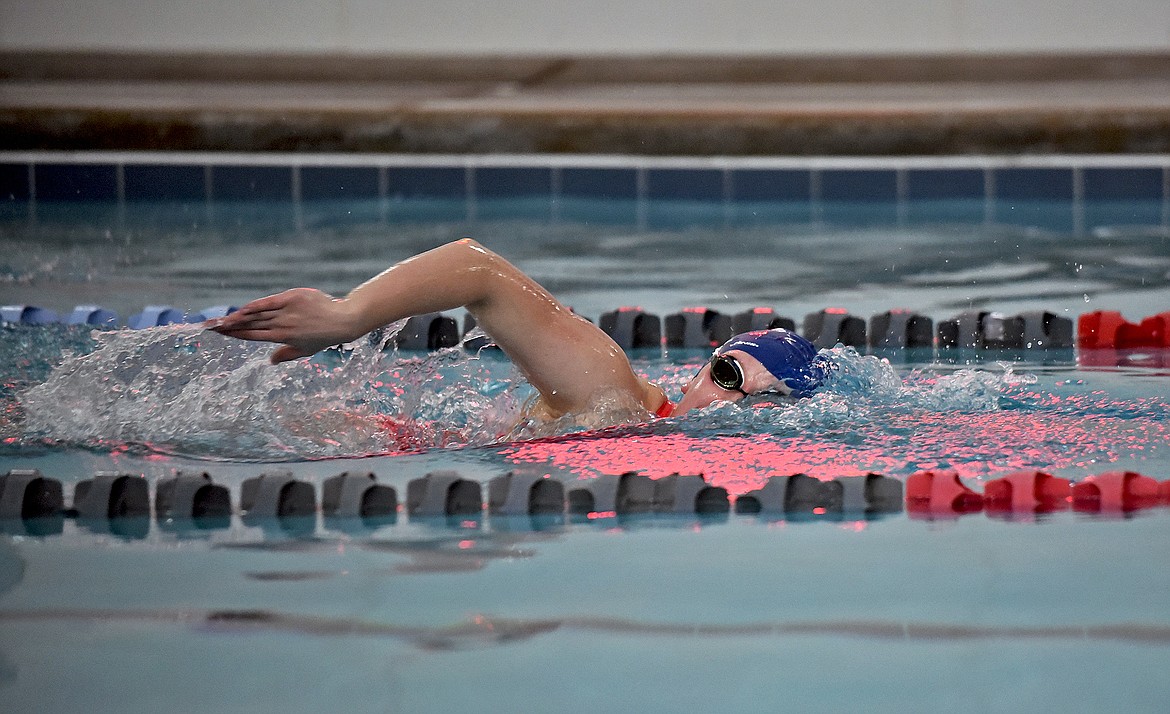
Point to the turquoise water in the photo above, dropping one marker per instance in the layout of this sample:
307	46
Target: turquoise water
971	616
809	612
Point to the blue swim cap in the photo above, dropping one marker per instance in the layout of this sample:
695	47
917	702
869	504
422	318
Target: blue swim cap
788	356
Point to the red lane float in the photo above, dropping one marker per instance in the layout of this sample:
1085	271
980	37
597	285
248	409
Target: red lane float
1027	492
940	493
1116	492
1107	329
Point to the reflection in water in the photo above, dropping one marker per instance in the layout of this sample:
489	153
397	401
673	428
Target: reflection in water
462	551
11	573
481	631
8	671
11	566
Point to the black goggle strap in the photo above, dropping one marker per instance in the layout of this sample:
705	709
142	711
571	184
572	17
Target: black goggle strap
735	383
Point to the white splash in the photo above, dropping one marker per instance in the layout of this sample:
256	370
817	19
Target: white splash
184	389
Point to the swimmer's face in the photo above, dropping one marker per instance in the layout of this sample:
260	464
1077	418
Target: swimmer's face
702	391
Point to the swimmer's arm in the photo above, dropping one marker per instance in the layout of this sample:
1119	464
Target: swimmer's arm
565	357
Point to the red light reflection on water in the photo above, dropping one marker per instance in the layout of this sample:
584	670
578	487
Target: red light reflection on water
974	445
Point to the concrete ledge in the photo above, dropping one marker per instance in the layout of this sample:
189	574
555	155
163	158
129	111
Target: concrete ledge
569	69
647	106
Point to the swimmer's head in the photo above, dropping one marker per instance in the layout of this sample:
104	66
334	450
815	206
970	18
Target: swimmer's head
760	362
790	358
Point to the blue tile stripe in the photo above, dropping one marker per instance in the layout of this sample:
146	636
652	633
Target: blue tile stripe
600	183
338	183
1113	184
685	185
14	183
1035	184
942	184
149	182
859	185
651	184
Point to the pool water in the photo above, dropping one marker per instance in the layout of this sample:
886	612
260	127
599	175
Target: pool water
808	611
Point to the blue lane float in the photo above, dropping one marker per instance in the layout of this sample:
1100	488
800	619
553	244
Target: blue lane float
210	313
28	315
92	315
156	316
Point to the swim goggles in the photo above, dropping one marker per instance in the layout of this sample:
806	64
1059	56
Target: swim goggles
727	373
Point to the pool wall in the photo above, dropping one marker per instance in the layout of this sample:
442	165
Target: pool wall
1077	194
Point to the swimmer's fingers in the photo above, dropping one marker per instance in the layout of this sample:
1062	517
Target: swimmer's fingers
291	310
305	320
262	321
249	314
236	321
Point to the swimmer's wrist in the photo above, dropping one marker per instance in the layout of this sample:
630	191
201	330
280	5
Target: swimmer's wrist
349	319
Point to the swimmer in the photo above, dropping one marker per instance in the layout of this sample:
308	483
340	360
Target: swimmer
565	357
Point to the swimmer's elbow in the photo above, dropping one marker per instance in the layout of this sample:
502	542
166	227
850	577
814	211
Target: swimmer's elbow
472	245
476	258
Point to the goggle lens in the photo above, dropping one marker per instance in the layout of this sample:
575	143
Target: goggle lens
726	372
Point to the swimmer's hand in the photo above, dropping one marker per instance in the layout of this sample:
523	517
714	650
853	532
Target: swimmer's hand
303	320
